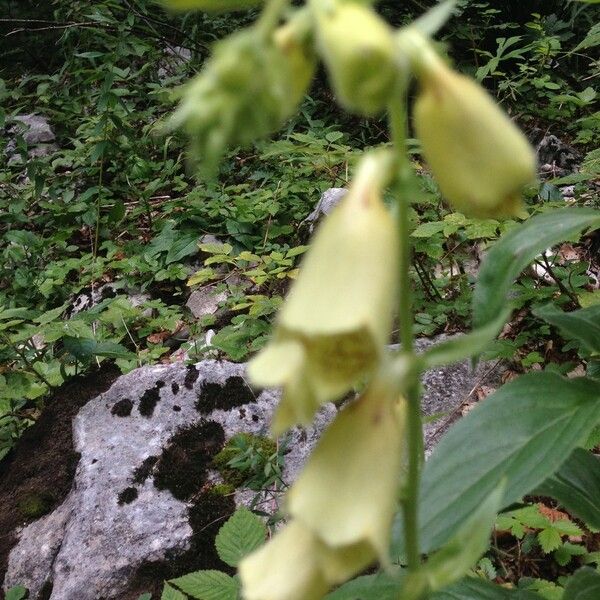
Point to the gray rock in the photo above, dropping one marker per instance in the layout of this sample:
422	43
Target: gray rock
328	201
37	130
205	301
91	546
175	57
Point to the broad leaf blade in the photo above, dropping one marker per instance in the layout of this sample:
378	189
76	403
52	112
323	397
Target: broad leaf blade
515	250
473	588
576	485
584	585
241	534
208	585
523	432
368	587
170	593
583	324
453	561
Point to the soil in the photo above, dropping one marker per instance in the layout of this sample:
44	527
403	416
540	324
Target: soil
38	473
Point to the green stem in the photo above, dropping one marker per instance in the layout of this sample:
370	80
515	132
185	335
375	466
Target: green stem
403	189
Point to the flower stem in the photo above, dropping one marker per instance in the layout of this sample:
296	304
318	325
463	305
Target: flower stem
403	189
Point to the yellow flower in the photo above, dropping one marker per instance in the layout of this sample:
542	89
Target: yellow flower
211	5
357	47
332	328
347	493
479	157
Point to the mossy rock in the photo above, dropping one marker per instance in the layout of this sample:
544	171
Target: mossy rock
36	505
243	459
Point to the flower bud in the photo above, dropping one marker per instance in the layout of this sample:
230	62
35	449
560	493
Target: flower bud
347	493
333	326
479	157
358	49
248	88
211	5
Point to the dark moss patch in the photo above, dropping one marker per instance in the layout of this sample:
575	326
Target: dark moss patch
160	384
175	387
43	462
182	466
176	408
206	516
144	470
148	401
191	377
36	505
128	495
234	393
122	408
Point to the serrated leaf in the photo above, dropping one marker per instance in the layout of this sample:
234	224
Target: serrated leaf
242	533
426	230
549	539
583	585
554	415
516	249
170	593
576	485
582	324
208	585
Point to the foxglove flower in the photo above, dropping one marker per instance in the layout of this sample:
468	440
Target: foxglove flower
332	328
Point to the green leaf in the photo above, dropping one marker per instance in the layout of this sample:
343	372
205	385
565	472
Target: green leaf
549	539
170	593
145	596
523	432
426	230
515	250
584	585
242	533
465	346
368	587
208	585
473	588
583	324
82	348
16	593
576	485
453	561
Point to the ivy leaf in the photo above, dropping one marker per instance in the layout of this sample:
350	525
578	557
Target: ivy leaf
241	534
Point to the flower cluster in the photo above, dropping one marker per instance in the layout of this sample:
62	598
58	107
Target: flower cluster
331	334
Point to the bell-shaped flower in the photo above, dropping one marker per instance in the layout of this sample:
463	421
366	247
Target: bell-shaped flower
347	493
211	5
479	157
285	568
357	47
332	328
253	82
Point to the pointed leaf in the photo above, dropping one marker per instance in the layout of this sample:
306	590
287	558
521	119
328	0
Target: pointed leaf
515	250
583	324
523	432
208	585
241	534
170	593
576	485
